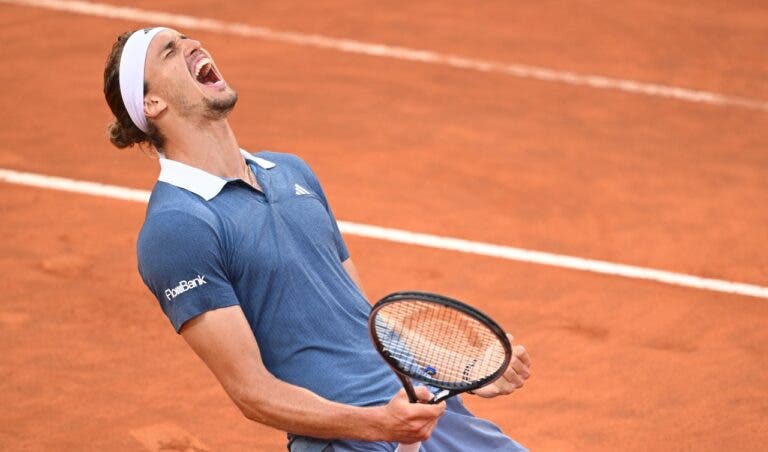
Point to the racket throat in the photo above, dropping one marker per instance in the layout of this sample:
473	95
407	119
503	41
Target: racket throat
442	395
408	386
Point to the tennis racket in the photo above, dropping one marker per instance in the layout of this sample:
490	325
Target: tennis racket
437	341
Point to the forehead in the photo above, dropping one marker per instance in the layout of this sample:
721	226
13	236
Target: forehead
158	44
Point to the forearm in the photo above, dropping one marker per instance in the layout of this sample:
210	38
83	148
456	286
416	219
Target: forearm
297	410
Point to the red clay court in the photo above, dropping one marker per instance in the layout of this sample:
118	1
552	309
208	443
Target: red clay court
629	132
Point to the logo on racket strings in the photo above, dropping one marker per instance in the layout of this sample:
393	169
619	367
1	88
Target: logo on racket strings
184	286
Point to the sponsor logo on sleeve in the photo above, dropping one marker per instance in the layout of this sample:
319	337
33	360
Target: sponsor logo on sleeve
184	286
299	190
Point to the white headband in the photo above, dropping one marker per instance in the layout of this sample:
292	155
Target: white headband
132	73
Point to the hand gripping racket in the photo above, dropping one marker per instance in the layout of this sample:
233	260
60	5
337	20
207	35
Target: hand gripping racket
438	341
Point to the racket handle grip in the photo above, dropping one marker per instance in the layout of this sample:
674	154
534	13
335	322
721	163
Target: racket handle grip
408	447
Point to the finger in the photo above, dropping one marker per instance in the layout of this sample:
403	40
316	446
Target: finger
431	427
519	351
427	412
402	396
522	354
519	368
511	377
423	394
424	431
495	389
504	386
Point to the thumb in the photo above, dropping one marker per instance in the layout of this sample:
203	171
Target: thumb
401	394
423	394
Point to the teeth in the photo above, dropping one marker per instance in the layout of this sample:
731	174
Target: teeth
203	61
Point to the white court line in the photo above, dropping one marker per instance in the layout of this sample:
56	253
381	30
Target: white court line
186	22
428	240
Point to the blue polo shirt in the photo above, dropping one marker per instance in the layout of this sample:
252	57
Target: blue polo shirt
209	243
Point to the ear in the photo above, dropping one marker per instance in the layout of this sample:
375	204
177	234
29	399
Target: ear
153	106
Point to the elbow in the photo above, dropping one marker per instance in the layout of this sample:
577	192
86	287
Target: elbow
249	404
253	415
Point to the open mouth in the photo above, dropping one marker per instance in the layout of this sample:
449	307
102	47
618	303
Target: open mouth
205	72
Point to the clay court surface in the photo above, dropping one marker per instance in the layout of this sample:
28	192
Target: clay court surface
89	362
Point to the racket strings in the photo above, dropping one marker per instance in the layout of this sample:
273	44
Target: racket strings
434	343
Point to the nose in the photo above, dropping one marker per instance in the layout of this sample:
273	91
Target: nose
191	46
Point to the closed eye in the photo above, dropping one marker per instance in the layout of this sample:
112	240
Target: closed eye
170	48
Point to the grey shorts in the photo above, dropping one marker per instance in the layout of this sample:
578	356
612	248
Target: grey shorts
306	444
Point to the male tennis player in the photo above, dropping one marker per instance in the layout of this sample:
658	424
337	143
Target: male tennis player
245	257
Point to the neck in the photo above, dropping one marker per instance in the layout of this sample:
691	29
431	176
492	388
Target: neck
210	146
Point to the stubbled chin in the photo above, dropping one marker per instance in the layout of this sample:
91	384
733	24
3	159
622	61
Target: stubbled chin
220	106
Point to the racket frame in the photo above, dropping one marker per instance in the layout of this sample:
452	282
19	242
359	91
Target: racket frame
427	297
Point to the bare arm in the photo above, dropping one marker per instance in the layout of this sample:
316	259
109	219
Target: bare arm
224	341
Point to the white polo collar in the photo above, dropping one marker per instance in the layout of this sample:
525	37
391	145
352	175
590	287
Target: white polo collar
199	182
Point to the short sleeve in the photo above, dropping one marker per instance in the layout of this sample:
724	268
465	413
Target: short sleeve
181	261
341	247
